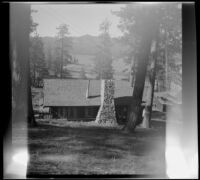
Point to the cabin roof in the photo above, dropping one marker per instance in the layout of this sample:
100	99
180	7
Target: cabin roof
69	92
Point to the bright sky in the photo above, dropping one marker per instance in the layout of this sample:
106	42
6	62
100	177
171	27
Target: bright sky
81	18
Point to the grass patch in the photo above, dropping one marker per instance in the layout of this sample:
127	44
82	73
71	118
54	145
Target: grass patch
84	149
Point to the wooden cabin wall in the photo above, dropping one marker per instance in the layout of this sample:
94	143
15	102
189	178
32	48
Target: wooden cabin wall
71	112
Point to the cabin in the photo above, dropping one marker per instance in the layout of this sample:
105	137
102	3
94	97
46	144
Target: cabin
81	99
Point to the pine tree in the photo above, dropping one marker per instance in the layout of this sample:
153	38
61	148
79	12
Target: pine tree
64	44
103	58
142	24
21	86
37	59
139	24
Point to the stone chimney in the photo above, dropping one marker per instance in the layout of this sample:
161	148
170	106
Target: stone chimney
106	113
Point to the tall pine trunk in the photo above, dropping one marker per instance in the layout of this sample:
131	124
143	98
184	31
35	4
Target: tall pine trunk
154	56
152	72
135	107
147	34
31	117
22	110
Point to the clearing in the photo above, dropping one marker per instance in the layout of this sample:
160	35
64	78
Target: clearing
90	150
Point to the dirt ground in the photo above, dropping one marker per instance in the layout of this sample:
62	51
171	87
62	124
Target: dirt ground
69	150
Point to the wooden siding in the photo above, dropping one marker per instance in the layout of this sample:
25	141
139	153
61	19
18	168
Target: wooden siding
72	112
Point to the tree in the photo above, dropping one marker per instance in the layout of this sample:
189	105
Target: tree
170	40
103	67
33	26
22	109
151	73
169	43
62	50
37	59
167	50
49	58
103	58
139	24
31	118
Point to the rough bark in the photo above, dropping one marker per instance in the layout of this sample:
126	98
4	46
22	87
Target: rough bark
135	107
147	36
151	80
31	117
19	53
154	56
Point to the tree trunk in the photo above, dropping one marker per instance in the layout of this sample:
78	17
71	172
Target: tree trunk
135	107
21	89
31	117
148	107
147	35
146	120
154	56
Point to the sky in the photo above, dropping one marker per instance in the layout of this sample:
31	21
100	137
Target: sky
82	18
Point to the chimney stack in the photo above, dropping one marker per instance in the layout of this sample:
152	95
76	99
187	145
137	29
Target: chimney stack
106	113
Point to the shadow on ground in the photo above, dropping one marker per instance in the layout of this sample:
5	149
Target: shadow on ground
93	150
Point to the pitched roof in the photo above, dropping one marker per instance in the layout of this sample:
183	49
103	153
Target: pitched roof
69	92
58	92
